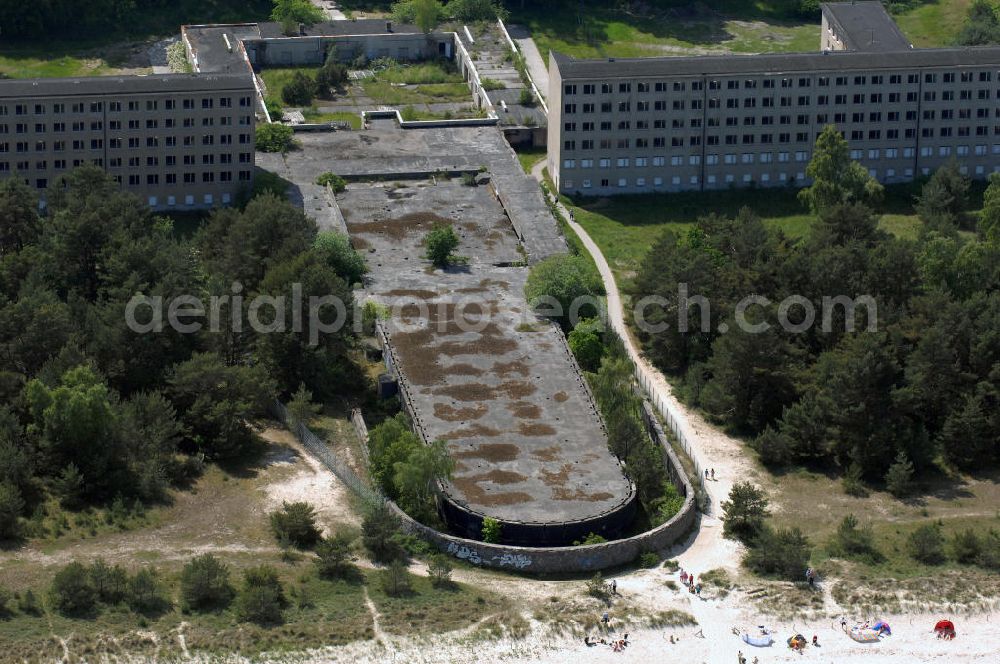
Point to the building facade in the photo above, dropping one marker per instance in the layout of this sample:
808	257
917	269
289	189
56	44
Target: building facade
179	141
702	123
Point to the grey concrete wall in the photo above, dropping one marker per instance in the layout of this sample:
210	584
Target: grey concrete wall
526	136
311	51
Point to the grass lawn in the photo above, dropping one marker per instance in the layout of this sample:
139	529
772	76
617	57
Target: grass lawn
738	26
276	78
384	93
530	156
28	66
312	115
742	27
411	113
817	503
626	226
934	23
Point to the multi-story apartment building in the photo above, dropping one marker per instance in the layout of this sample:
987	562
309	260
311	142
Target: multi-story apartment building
180	141
702	123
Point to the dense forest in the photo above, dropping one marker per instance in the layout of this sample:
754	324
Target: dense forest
920	390
93	412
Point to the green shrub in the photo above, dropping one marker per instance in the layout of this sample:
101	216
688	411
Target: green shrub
648	560
337	183
966	547
852	481
926	544
72	592
556	283
330	76
144	592
492	530
5	599
779	553
299	91
274	108
591	538
333	558
526	98
274	137
899	478
439	570
205	584
295	523
378	534
262	599
490	84
110	583
396	580
469	11
296	11
11	505
743	514
336	250
666	506
586	344
989	555
855	541
28	604
597	588
441	242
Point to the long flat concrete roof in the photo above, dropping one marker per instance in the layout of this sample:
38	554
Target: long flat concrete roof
368	26
88	86
865	26
775	63
502	390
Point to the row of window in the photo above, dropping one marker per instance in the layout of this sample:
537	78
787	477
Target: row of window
729	178
678	141
149	162
117	125
135	180
626	87
626	106
119	143
150	105
207	199
691	160
768	120
780	157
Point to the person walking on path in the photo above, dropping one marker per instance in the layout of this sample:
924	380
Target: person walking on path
614	586
713	474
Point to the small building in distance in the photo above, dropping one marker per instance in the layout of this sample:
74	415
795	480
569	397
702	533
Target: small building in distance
641	125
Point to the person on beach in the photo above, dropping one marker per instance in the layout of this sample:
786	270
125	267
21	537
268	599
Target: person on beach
713	474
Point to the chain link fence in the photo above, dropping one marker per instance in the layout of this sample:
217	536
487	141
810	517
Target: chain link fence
319	449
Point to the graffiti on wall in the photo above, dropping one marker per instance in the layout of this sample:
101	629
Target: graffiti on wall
519	560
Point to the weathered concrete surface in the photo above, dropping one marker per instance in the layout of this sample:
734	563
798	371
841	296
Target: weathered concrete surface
387	152
481	371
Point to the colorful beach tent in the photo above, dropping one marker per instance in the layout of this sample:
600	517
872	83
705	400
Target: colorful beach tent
863	635
798	642
761	640
945	628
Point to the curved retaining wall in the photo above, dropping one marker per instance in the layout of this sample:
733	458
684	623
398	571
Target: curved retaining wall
569	559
